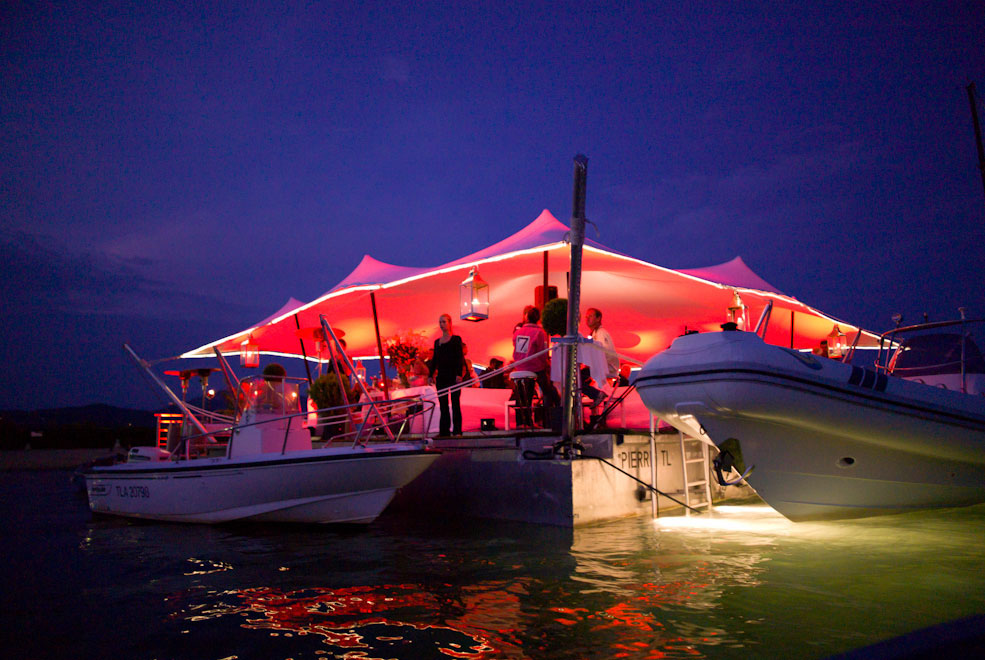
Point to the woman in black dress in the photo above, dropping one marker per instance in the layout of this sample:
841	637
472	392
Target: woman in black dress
447	367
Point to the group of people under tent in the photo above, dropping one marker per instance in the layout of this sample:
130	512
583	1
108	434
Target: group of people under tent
449	366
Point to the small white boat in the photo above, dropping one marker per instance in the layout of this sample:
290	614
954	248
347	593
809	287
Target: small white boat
824	439
266	471
328	485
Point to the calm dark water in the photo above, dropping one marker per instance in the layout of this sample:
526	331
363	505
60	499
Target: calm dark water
743	583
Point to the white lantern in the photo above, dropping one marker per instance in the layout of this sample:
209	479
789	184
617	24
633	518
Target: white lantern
474	297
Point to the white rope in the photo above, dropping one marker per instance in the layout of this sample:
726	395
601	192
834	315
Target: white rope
489	374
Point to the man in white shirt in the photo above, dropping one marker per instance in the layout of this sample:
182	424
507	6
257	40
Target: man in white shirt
601	336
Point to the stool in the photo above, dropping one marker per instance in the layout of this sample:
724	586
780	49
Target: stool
524	382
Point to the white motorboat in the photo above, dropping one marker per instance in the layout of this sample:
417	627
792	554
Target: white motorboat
824	439
266	470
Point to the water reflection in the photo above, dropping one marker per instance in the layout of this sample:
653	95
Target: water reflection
741	582
392	620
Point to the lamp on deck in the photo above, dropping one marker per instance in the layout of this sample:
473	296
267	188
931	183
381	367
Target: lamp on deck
474	297
837	342
737	311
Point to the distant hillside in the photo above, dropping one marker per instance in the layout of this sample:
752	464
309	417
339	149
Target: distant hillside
97	425
97	414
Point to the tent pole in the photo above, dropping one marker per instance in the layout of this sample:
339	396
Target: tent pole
303	353
379	348
545	296
569	419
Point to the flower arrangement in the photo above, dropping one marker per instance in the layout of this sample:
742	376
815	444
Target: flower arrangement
403	349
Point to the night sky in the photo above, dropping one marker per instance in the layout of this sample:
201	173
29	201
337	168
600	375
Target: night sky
173	172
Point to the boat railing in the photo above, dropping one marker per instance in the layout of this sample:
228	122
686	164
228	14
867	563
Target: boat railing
893	344
395	415
211	416
764	320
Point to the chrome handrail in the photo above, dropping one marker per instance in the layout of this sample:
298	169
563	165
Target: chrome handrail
385	407
891	337
764	319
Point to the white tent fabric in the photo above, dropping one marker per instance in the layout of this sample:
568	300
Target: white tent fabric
644	306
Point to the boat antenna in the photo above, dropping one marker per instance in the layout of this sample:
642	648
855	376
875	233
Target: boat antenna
978	132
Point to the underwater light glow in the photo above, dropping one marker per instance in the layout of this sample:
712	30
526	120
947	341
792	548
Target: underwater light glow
747	518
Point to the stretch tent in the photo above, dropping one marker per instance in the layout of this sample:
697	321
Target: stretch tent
644	306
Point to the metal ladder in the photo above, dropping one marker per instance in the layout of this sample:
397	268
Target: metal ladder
697	493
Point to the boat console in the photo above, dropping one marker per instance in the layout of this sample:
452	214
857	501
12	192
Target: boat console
269	421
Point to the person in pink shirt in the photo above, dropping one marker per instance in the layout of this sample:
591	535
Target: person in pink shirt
528	341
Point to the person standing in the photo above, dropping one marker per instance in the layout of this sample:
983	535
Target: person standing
593	319
601	336
446	368
529	340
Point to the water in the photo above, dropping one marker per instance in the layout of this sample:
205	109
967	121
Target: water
743	583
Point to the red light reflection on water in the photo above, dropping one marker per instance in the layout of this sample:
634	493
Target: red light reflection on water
632	626
493	619
354	618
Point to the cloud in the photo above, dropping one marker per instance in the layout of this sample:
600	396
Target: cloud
42	273
789	170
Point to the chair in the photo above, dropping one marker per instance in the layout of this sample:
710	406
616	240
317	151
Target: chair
525	388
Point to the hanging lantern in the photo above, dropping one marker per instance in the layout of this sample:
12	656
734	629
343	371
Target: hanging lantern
474	297
249	353
737	311
837	342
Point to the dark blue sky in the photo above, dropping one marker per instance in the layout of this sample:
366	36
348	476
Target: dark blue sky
171	173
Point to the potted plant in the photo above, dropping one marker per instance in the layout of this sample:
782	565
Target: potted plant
554	319
326	394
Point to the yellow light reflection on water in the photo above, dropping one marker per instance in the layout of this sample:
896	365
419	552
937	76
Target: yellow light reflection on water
737	518
754	522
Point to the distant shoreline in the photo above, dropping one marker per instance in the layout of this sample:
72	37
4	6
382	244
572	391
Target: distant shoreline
50	459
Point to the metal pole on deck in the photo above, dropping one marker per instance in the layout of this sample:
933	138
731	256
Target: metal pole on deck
978	131
569	420
654	494
304	354
384	381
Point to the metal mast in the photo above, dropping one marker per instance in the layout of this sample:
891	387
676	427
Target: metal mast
570	421
978	132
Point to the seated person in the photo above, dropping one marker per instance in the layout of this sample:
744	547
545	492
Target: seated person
419	372
468	374
270	397
497	381
625	371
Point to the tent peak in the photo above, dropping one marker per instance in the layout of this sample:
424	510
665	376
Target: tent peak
734	272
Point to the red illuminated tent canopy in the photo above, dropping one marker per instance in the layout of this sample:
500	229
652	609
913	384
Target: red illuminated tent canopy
644	306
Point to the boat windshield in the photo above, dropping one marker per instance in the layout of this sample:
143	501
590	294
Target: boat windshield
271	396
938	353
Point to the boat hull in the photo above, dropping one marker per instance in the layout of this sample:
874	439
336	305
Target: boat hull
316	486
826	440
